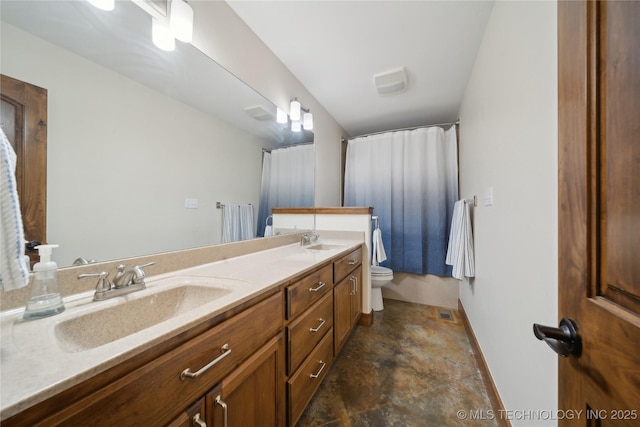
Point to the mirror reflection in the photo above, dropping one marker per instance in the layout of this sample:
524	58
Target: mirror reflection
141	144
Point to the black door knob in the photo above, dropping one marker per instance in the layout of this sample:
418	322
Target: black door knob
564	340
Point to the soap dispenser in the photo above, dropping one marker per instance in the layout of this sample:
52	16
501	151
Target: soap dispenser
45	299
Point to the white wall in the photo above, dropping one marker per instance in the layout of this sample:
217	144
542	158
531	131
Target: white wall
508	141
109	160
224	37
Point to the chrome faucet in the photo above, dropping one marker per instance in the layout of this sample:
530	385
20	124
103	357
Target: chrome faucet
308	238
133	276
126	281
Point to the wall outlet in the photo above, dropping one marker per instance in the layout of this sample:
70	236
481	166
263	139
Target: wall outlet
190	203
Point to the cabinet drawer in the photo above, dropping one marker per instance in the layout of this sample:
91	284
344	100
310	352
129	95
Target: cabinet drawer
308	290
306	380
346	264
305	331
155	393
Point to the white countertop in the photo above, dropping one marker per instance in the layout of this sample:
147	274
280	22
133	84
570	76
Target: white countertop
35	364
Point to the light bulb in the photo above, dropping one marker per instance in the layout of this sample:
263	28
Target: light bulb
296	126
281	116
161	36
294	111
181	20
307	121
107	5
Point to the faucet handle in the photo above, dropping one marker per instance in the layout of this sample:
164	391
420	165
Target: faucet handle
139	273
103	284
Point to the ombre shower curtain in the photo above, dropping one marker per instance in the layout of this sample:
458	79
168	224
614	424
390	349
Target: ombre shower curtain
287	180
410	178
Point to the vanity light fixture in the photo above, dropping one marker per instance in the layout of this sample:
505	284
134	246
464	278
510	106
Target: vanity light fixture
300	116
107	5
181	20
307	121
162	36
294	110
281	116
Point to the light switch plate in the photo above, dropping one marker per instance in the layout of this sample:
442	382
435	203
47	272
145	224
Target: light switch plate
488	197
190	203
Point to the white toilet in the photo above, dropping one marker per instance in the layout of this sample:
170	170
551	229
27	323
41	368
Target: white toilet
380	276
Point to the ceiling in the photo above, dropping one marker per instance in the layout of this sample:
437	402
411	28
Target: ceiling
335	47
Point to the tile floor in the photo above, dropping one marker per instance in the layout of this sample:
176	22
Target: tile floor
409	368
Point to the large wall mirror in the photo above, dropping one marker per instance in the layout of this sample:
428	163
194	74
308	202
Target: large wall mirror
135	134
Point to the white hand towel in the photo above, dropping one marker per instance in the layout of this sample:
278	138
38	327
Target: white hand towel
268	231
379	253
13	270
460	249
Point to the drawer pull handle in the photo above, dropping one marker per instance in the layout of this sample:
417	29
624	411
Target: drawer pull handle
220	402
317	328
353	262
317	288
354	285
225	349
317	374
198	422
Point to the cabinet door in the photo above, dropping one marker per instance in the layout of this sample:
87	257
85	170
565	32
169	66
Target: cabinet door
253	394
341	312
356	297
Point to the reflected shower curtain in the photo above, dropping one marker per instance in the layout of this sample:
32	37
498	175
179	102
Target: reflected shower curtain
410	178
287	180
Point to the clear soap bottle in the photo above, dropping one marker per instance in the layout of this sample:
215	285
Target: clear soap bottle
45	299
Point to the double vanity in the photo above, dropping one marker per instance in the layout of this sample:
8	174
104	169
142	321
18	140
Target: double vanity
241	341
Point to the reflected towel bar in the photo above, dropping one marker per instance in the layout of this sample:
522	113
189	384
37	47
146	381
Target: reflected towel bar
473	201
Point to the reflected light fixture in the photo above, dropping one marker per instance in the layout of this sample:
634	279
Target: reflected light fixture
181	20
294	110
307	121
296	126
162	36
107	5
281	116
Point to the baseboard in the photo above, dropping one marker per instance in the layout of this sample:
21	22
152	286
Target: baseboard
492	391
366	319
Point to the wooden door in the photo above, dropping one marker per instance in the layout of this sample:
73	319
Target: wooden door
23	114
599	209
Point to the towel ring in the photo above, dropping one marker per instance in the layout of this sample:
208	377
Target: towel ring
375	218
266	221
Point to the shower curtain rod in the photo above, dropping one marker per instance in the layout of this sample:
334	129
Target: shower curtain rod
457	122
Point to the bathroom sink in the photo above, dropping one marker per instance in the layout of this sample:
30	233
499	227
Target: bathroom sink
325	247
105	325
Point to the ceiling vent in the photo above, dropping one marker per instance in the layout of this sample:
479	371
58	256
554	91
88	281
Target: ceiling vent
259	112
391	82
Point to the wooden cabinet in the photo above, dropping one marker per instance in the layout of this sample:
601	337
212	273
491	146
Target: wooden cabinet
258	367
157	392
347	296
